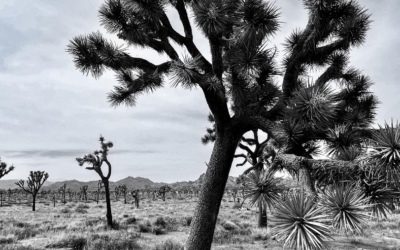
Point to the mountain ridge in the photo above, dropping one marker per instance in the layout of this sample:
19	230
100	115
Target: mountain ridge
130	182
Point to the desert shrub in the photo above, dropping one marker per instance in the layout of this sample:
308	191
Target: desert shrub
237	205
17	247
160	222
158	230
143	228
187	221
76	242
229	225
65	210
100	206
260	234
7	239
25	232
82	206
21	224
114	242
169	244
125	216
222	237
80	210
92	222
131	220
172	224
245	225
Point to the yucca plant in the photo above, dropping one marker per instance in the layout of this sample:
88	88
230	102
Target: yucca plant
263	188
380	195
300	223
346	204
386	150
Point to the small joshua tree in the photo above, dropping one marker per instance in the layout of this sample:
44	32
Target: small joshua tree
100	185
117	192
34	183
4	170
83	193
136	196
96	160
163	190
123	191
62	190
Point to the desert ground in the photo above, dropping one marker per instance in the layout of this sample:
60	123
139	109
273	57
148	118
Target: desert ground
158	225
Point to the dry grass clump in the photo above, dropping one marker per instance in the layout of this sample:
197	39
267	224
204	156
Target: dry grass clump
169	244
110	241
7	239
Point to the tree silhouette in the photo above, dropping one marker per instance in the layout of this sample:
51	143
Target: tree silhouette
34	183
96	160
4	170
239	83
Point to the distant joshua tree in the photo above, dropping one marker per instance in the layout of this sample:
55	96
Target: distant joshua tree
100	185
123	191
4	170
163	190
35	181
62	190
96	160
136	196
83	193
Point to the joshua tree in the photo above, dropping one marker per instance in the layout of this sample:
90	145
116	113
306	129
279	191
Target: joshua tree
4	170
117	192
238	83
34	183
62	190
96	160
163	190
136	196
83	193
1	197
70	193
123	192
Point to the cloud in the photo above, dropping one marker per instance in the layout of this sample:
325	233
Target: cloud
68	153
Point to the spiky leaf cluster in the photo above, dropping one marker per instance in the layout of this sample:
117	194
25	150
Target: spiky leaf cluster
300	223
346	204
261	186
4	169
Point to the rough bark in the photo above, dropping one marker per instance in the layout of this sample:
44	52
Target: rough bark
262	214
206	213
33	202
108	203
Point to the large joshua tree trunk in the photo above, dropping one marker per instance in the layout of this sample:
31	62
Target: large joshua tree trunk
108	203
33	202
262	214
206	213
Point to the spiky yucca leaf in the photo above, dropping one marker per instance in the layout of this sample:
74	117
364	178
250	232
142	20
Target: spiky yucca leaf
132	85
346	204
257	19
315	104
185	72
262	185
386	149
211	16
341	137
300	223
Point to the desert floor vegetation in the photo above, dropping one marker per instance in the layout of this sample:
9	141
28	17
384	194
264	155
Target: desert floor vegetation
159	225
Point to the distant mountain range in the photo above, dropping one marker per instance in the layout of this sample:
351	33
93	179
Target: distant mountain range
130	182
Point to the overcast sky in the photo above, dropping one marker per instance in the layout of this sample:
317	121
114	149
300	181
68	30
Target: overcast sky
50	113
